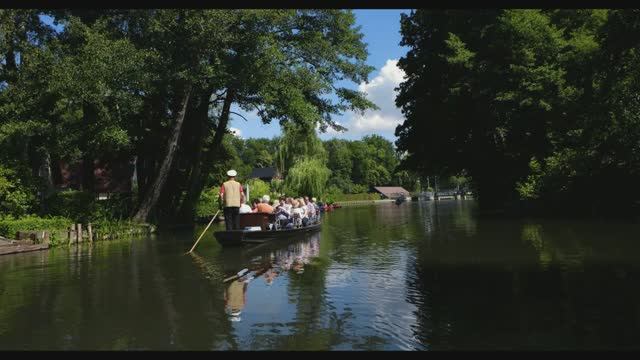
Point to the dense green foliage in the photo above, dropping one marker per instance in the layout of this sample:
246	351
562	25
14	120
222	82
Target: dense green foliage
155	88
358	165
83	207
533	104
257	189
208	203
338	197
15	199
308	176
324	169
55	225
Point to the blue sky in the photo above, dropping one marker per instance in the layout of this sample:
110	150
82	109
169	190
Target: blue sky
381	29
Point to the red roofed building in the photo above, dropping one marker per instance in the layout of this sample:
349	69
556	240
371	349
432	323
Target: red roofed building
109	176
392	192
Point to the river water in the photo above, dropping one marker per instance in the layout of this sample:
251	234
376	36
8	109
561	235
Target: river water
418	276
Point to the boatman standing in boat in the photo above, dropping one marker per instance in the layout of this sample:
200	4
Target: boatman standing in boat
232	196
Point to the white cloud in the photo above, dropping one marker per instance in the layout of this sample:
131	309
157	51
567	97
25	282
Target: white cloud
235	131
380	90
329	129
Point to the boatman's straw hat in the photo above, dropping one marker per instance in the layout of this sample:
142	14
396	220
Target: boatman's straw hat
232	173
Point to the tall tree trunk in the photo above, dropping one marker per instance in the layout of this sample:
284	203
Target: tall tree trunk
88	177
44	172
146	149
140	178
142	157
88	173
40	163
186	159
224	119
151	196
201	132
196	181
56	173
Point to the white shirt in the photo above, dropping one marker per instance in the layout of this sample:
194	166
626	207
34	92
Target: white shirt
311	210
244	209
299	211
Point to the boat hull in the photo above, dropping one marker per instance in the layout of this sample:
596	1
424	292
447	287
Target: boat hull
242	237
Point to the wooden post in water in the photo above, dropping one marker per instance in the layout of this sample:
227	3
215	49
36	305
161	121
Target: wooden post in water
79	233
71	232
90	232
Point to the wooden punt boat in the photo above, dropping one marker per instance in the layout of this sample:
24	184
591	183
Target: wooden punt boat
242	237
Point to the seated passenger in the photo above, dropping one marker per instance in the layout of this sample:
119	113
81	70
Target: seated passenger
288	205
281	211
283	217
311	210
315	204
254	204
296	211
300	209
244	209
263	206
303	205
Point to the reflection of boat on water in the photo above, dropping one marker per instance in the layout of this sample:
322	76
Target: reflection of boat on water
253	259
235	297
274	253
265	262
263	234
272	256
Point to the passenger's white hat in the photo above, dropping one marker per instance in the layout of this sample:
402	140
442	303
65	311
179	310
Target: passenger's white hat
266	198
232	173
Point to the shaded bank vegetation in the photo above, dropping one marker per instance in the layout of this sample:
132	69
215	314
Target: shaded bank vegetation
536	105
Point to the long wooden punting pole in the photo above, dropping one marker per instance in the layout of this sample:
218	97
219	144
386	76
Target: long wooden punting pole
205	230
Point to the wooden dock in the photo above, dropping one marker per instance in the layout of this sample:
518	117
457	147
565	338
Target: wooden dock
363	202
27	241
20	248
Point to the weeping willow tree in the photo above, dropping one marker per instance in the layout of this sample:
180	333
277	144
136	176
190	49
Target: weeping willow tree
298	141
308	177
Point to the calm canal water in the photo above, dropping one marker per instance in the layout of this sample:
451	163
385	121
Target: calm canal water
419	276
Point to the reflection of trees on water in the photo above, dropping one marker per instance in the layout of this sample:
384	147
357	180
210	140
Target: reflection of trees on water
460	266
456	214
426	210
515	285
373	242
317	323
360	235
557	245
533	234
464	217
507	284
140	294
306	288
574	244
